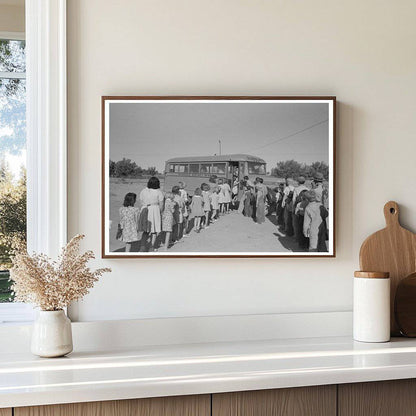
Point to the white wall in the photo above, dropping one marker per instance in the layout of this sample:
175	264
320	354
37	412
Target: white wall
361	51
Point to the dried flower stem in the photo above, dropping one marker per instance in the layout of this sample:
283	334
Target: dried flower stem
53	285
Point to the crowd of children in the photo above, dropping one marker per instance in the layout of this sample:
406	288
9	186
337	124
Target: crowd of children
163	219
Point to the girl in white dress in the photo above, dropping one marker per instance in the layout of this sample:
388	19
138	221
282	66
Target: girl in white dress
225	196
214	198
197	210
151	200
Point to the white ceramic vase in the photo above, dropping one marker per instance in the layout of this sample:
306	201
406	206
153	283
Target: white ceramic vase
52	334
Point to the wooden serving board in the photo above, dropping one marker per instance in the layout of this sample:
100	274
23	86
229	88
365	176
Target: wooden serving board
392	250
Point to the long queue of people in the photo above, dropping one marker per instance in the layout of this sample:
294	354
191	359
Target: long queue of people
163	219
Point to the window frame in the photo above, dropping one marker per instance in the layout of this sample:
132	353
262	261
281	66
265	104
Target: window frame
46	140
12	35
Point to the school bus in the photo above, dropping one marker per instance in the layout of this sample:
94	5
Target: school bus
198	169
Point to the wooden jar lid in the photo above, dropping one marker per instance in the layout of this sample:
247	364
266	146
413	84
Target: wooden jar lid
372	275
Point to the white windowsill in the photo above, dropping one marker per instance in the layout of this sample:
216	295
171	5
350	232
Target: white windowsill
16	313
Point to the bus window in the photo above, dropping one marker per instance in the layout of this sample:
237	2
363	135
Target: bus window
178	168
255	168
205	167
194	168
181	168
219	168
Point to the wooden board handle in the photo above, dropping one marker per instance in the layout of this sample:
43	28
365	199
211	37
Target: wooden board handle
391	214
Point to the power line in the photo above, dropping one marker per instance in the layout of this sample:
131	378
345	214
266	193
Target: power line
290	135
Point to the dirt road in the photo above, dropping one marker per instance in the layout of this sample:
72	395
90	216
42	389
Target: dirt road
231	233
235	233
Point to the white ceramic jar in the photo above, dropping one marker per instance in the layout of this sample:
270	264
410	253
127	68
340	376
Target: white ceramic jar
52	334
371	308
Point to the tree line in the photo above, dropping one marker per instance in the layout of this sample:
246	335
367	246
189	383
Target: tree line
294	169
127	168
12	213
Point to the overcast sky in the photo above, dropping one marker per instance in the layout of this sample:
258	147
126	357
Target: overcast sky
151	133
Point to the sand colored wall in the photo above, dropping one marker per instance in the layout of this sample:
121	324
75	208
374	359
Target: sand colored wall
12	18
361	51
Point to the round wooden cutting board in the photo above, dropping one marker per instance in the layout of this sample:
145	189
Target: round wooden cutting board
392	250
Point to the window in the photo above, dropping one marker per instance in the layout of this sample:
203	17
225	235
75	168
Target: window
255	168
205	168
46	130
181	168
12	155
219	168
178	168
194	168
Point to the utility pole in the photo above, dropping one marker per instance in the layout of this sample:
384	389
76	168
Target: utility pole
219	142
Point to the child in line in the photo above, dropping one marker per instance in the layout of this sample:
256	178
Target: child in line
167	218
184	195
129	221
178	215
215	205
260	204
225	196
182	190
207	203
197	210
300	218
249	201
288	214
323	230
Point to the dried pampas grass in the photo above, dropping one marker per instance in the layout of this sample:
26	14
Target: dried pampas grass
53	285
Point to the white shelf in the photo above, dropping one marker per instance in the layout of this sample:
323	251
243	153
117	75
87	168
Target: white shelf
148	371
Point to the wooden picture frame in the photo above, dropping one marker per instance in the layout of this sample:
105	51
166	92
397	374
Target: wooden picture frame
157	135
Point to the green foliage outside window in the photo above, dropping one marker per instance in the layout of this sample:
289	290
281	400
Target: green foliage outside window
12	223
12	146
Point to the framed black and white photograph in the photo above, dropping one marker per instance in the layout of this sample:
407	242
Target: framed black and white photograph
218	177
